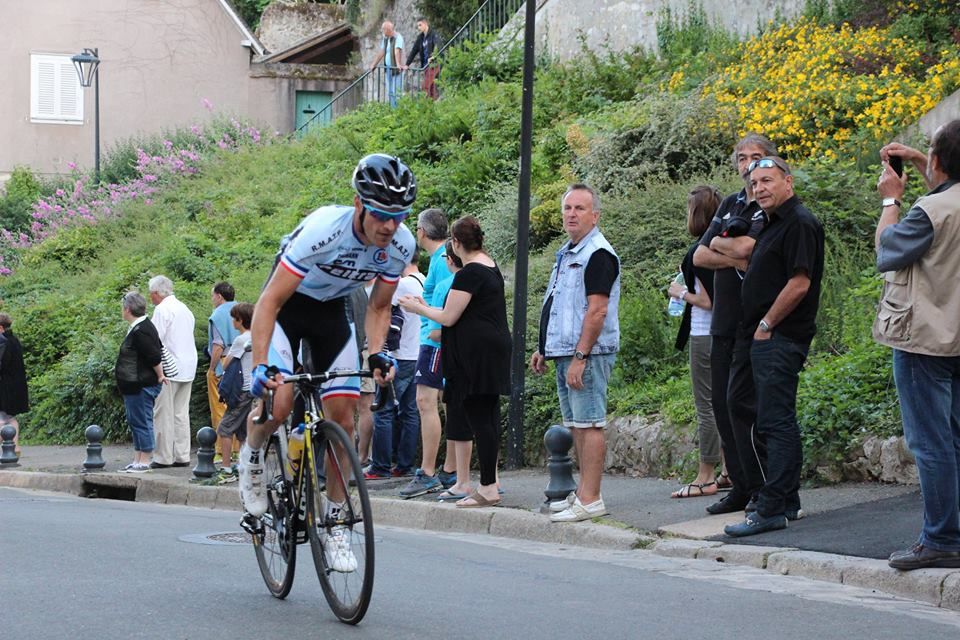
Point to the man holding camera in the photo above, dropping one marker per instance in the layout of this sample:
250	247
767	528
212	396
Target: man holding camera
725	247
781	295
918	316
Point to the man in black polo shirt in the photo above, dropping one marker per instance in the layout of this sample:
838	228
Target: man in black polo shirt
781	294
725	247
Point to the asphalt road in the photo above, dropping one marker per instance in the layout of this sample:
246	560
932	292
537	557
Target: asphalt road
77	568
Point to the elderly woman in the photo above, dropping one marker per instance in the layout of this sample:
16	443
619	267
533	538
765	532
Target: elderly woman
139	378
475	347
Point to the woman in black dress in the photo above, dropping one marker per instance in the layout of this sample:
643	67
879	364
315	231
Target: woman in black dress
475	347
13	379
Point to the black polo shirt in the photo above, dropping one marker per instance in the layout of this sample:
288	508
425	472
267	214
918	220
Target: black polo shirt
726	282
791	241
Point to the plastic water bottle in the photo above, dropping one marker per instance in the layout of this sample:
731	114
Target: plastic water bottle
295	448
676	306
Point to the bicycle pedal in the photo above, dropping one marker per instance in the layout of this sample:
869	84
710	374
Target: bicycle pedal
251	525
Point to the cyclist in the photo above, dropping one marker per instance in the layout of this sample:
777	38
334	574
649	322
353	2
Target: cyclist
331	252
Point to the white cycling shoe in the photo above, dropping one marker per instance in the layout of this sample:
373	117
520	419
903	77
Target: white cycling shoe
253	494
337	549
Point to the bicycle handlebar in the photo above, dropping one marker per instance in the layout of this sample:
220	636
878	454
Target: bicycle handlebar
385	394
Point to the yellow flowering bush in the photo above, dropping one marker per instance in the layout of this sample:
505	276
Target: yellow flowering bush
816	90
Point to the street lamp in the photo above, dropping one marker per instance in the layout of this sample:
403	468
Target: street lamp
87	65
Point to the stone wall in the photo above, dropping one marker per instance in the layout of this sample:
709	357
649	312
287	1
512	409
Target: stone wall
287	22
648	447
625	24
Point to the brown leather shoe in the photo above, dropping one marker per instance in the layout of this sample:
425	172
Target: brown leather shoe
921	557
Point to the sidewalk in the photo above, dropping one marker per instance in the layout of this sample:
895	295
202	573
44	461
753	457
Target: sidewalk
847	533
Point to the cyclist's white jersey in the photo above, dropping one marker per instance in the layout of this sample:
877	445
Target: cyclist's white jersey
326	254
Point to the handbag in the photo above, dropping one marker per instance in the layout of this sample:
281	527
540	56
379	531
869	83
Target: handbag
168	363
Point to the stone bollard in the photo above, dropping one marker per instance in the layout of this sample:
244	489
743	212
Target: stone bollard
206	438
9	456
94	435
558	441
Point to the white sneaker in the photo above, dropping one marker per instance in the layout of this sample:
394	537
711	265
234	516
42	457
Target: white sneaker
562	505
337	549
579	511
252	493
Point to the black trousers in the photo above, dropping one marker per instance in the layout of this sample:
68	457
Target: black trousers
480	414
776	369
744	451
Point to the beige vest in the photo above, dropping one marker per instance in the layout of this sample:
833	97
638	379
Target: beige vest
919	311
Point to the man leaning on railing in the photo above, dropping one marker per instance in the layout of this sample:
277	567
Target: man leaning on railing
426	45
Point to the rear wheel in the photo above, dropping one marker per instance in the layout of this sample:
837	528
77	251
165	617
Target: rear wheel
340	524
275	533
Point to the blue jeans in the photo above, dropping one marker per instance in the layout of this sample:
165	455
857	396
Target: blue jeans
776	373
409	424
394	85
929	392
139	410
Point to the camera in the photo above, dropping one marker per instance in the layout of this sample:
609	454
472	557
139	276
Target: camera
896	163
735	227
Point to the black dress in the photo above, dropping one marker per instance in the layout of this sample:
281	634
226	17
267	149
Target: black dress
13	377
476	350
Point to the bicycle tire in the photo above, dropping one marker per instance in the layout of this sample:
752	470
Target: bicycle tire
347	592
275	543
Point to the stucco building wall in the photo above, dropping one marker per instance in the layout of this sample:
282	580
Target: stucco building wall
160	60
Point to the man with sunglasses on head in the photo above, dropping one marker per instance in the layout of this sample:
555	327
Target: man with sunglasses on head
332	252
726	247
781	295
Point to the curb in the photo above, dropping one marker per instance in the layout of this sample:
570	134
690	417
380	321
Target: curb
939	587
505	523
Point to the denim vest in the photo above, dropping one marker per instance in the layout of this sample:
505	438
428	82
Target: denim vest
570	300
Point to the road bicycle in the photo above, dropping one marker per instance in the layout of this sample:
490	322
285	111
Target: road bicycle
299	496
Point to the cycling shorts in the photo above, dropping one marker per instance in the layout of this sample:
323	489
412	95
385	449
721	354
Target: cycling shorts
320	337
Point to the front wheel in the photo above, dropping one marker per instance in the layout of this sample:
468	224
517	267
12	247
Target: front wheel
275	533
340	524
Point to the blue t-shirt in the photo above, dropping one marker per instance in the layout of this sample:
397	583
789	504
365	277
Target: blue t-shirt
440	298
332	261
437	273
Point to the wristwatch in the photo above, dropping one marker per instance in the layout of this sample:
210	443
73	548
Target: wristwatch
890	202
580	355
763	326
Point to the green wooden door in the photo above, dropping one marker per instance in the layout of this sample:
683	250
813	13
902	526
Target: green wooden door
309	104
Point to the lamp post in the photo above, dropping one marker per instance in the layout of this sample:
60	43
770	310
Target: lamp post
87	65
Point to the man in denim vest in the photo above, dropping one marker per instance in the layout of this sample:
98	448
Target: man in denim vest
580	331
917	317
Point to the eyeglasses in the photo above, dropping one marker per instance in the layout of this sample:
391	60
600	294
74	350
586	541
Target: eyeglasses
770	162
387	216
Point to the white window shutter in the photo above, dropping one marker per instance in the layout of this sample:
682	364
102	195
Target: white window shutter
55	92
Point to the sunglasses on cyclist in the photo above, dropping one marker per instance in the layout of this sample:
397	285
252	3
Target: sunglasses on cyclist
768	163
387	216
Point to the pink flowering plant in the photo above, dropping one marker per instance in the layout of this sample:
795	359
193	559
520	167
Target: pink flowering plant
133	171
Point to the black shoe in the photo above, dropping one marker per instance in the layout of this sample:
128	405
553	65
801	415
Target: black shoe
157	465
754	524
181	464
751	506
729	504
921	557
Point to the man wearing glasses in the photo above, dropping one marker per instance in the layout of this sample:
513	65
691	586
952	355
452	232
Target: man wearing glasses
333	251
726	247
781	294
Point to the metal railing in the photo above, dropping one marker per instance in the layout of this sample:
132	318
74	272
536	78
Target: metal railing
382	84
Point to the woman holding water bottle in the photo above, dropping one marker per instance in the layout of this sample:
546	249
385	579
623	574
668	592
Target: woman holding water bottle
691	295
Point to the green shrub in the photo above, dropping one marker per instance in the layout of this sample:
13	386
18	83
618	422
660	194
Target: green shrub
21	190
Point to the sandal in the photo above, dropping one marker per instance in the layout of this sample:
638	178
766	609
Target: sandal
478	502
685	491
724	483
